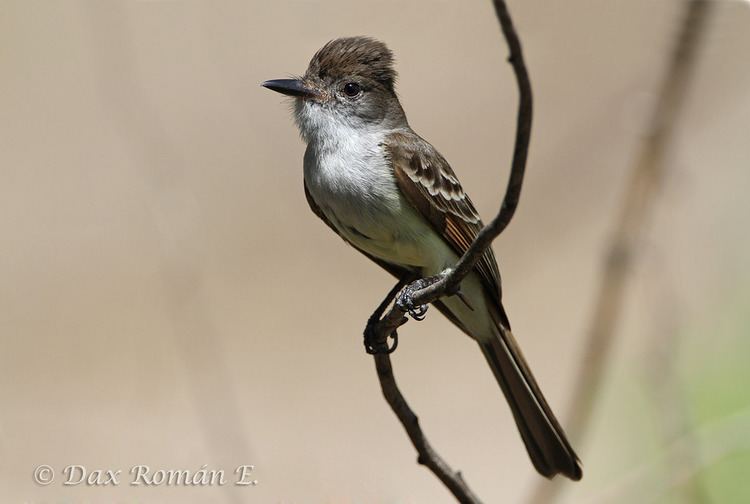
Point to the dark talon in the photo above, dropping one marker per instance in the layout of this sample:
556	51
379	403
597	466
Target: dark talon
418	312
406	303
405	300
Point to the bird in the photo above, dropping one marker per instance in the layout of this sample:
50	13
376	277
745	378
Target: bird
392	196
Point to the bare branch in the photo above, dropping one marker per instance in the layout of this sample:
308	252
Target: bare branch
449	282
380	328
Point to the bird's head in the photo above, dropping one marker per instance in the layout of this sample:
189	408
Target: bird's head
349	84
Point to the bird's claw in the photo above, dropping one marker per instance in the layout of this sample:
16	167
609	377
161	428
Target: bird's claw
418	312
405	300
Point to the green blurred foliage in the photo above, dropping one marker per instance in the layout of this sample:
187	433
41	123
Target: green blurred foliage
715	369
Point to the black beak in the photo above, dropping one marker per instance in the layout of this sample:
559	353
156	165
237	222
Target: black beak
291	87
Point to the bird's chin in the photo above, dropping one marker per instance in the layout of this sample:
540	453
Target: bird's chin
310	116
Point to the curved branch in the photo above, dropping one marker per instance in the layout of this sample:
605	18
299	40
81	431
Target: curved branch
450	280
427	456
380	328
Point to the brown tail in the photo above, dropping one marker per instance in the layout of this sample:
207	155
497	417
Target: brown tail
545	440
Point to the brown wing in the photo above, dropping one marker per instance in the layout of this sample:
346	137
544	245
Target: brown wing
429	184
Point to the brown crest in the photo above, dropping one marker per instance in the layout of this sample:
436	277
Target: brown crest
354	56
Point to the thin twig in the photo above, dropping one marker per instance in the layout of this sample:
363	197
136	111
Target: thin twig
450	280
638	199
427	456
380	328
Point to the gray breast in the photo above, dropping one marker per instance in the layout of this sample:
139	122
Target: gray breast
353	180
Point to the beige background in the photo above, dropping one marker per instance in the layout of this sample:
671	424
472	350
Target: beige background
167	298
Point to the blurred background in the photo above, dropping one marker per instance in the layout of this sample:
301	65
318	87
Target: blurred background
168	299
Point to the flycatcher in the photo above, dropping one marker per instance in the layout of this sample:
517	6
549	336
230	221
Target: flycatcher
392	196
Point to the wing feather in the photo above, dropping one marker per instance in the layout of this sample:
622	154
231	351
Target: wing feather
430	185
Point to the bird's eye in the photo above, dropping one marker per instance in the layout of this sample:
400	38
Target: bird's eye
352	89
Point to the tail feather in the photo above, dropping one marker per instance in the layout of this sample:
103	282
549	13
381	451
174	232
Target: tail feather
545	440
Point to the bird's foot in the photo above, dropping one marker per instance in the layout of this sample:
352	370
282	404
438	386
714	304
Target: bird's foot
405	300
